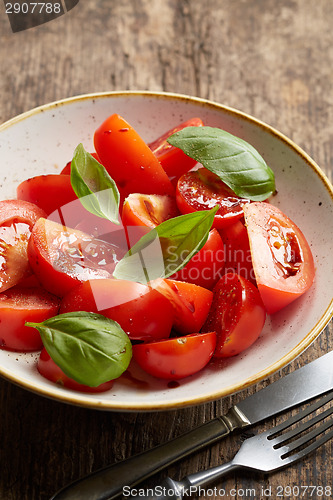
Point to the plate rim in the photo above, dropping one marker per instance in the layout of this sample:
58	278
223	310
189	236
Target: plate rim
82	400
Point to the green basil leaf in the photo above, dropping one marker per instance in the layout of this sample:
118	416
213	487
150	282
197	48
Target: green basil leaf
233	160
88	347
166	248
93	185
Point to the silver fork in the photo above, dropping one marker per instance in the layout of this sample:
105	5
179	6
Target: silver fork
265	452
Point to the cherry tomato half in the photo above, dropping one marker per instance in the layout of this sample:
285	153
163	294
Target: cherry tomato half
49	192
62	257
128	159
50	370
16	221
141	311
19	305
202	190
148	209
281	256
237	315
177	357
206	267
173	160
191	303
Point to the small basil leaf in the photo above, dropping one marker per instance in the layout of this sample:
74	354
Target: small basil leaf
93	185
233	160
88	347
167	248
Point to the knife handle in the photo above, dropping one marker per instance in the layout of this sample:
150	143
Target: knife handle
108	483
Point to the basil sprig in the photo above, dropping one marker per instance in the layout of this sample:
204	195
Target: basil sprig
167	248
233	160
93	185
88	347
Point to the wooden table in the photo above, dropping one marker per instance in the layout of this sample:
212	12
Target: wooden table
271	59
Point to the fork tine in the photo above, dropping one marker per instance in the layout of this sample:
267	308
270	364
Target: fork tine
307	450
310	435
274	433
300	446
280	440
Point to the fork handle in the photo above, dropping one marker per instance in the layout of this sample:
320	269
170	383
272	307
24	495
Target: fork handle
108	483
207	476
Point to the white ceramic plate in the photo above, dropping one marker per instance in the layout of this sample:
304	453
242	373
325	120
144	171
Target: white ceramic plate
43	140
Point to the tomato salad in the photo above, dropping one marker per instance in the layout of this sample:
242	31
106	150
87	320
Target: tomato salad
167	254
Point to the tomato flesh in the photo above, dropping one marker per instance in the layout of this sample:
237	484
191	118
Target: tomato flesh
203	190
176	358
148	210
173	160
16	221
19	305
191	304
50	370
238	257
141	311
237	315
128	159
62	257
281	256
206	267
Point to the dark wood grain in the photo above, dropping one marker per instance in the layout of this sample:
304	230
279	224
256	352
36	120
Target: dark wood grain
271	59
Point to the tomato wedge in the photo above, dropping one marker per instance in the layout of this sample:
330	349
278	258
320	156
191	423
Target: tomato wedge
62	257
128	159
173	160
16	221
148	209
19	305
237	315
206	267
281	256
141	311
49	192
203	190
191	303
50	370
176	358
238	257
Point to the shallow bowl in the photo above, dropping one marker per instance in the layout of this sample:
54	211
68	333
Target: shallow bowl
43	140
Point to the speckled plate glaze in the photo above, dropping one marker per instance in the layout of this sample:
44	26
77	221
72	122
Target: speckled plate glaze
43	140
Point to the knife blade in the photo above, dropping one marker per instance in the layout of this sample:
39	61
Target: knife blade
300	386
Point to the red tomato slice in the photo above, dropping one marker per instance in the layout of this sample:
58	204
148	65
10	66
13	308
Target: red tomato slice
281	256
19	211
206	267
141	311
49	192
177	357
148	209
19	305
238	257
16	221
48	369
128	159
62	257
203	190
173	160
237	315
191	304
